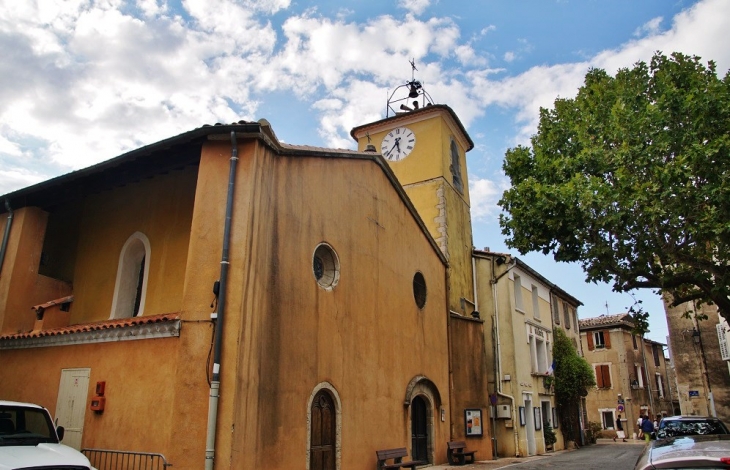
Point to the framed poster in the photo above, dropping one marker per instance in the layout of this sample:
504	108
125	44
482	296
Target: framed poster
473	420
522	416
538	418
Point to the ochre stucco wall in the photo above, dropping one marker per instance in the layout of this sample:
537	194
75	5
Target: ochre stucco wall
138	392
161	209
285	334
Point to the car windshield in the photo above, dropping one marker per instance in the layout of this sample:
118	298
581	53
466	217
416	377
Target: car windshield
25	426
671	428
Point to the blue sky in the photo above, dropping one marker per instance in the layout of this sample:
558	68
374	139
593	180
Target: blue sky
82	81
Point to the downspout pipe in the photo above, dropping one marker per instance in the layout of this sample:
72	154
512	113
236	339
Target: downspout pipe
498	357
6	235
220	312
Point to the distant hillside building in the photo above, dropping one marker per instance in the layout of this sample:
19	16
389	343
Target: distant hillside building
631	373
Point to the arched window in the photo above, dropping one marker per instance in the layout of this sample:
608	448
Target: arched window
456	167
132	275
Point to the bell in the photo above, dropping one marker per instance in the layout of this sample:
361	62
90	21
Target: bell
414	92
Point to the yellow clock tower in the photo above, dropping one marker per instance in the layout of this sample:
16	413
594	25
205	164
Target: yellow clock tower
426	149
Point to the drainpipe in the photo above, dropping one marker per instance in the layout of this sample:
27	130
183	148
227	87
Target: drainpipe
498	358
648	380
215	382
6	235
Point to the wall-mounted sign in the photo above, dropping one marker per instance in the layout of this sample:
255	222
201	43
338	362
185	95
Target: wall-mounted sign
473	420
620	408
694	394
522	416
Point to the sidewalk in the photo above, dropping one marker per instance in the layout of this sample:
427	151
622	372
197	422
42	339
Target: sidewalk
507	461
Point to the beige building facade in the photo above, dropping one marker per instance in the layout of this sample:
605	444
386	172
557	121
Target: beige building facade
698	342
631	373
516	304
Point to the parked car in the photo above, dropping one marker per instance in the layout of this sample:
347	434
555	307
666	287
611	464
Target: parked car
674	426
689	452
29	440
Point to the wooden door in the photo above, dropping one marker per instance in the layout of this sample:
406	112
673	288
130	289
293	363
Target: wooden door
324	428
71	404
419	429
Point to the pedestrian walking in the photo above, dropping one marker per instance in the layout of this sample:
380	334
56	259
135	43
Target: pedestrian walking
638	426
619	430
647	427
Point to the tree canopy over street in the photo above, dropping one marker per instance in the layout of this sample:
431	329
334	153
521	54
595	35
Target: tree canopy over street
631	178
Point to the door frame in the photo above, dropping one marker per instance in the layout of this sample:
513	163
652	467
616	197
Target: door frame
64	394
338	425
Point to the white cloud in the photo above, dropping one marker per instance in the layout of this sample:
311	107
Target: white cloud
415	7
83	81
649	28
484	194
509	56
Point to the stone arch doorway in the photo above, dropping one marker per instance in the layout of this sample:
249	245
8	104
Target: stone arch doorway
422	400
324	428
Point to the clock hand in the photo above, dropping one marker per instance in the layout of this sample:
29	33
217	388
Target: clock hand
396	144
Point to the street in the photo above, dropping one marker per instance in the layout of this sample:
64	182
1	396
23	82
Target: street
598	457
606	455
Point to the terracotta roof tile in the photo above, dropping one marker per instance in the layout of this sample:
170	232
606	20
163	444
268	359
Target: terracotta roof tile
606	320
101	325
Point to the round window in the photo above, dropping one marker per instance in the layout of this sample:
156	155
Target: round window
326	266
419	289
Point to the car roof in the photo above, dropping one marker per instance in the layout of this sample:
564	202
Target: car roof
18	403
714	445
690	418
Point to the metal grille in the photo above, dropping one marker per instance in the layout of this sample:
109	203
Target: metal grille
104	459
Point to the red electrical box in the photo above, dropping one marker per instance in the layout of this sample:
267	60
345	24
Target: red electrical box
97	403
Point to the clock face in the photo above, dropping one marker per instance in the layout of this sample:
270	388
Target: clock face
398	144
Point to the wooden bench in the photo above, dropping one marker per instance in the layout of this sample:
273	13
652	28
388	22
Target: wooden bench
397	456
457	454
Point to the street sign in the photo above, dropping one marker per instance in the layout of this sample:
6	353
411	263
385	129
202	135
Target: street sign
620	408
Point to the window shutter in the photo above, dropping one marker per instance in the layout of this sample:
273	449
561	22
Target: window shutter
643	377
722	339
599	377
606	371
589	337
607	339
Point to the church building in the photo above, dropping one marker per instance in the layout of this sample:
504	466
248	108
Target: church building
231	301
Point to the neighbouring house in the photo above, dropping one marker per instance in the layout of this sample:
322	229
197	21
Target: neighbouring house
631	372
699	348
232	301
519	307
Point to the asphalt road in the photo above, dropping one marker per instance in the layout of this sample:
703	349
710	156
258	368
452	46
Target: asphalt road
595	457
605	455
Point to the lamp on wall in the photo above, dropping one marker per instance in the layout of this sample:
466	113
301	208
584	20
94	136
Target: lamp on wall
696	335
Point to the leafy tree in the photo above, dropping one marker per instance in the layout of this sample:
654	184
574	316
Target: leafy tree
631	178
573	377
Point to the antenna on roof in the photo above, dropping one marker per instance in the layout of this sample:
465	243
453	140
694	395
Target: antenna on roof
607	308
415	91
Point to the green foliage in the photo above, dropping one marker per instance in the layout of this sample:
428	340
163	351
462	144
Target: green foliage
549	434
594	431
573	377
631	178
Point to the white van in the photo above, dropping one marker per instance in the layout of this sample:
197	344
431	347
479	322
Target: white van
28	440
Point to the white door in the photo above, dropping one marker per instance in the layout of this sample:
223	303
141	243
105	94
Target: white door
71	406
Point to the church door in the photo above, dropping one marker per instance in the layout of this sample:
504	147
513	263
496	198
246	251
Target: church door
324	429
419	429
